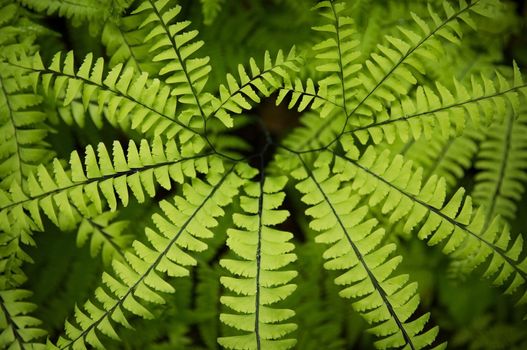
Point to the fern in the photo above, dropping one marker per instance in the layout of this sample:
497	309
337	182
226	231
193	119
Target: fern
264	250
387	302
137	277
386	182
400	131
22	121
16	327
498	189
104	234
78	11
124	45
23	137
124	93
446	157
210	10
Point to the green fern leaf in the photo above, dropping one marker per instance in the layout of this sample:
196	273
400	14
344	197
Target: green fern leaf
499	188
136	280
257	283
102	182
79	11
187	75
22	123
392	185
338	54
239	94
389	75
124	42
413	116
385	301
18	330
132	100
445	157
378	79
105	235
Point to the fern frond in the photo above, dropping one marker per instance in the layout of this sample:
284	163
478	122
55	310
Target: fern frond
210	9
17	329
118	47
338	55
188	75
184	224
175	47
22	127
17	33
79	10
383	300
502	163
130	99
105	235
19	29
22	144
69	197
240	93
412	116
257	282
445	157
337	58
138	171
393	69
219	223
392	184
309	96
124	42
499	184
11	260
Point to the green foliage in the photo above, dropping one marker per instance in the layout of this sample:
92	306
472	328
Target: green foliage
264	251
385	301
201	222
16	326
500	188
78	11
